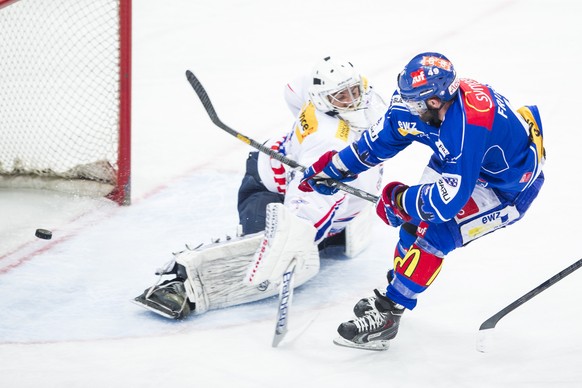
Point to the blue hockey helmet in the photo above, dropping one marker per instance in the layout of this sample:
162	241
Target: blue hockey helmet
428	75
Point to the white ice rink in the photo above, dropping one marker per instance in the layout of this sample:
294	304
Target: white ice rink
65	314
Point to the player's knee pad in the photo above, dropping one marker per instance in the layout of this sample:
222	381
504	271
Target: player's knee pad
414	270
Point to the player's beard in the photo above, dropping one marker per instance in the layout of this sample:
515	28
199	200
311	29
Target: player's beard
431	117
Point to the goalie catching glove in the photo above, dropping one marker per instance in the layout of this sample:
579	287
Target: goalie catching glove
320	176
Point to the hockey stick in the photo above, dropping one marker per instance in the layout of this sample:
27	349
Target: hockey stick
490	323
201	92
285	296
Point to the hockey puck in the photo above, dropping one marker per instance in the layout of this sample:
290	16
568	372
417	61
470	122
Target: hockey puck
44	234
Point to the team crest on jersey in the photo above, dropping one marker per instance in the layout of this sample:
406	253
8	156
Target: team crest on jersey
307	123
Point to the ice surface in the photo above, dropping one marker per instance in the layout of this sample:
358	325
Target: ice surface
65	312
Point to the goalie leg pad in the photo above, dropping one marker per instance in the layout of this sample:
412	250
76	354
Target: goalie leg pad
286	237
359	232
215	274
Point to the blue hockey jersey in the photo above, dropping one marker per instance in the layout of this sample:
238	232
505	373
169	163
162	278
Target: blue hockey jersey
481	141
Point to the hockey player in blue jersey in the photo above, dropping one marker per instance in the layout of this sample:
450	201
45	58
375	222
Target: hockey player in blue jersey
485	171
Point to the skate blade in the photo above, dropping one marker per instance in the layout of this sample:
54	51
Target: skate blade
156	308
373	345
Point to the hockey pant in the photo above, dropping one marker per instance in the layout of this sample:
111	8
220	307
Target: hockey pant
253	198
422	246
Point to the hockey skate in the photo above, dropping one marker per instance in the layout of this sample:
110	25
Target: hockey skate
364	306
167	299
374	328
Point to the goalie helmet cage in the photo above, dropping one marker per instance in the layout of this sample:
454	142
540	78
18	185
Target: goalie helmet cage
65	96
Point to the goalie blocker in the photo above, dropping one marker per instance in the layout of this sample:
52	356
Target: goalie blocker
243	269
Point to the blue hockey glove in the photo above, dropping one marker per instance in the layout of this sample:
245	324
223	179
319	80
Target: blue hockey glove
389	206
317	176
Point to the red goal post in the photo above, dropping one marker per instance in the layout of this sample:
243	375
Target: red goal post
65	96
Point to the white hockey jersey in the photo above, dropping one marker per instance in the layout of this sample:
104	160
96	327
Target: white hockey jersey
313	134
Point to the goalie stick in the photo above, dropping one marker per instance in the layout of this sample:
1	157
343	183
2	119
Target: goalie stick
203	95
285	296
489	324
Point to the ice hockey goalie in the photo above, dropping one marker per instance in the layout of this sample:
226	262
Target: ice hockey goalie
237	270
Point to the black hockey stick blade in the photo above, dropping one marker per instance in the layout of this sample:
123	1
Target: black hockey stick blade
285	297
492	321
205	99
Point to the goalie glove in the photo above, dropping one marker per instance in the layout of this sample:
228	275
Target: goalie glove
389	206
320	175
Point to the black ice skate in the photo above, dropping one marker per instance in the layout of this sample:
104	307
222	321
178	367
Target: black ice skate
167	299
376	326
364	306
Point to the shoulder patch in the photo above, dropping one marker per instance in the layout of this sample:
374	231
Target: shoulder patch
478	103
306	123
448	186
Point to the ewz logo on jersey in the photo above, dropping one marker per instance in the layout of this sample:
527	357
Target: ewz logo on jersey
495	216
487	222
409	128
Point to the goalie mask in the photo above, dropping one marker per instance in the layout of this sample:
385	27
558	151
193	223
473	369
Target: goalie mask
336	87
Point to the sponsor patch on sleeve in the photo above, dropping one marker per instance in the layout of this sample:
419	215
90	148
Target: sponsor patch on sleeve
448	186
